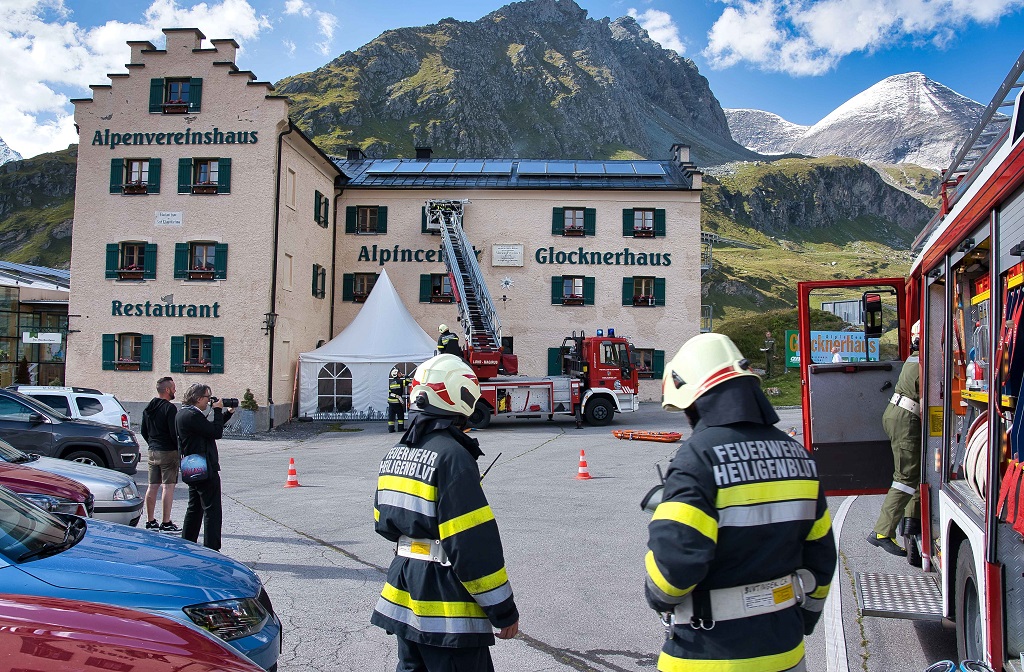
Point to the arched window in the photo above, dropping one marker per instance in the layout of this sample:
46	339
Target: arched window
334	388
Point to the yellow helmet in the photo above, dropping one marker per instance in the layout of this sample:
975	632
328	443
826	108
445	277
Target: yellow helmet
703	362
446	384
441	328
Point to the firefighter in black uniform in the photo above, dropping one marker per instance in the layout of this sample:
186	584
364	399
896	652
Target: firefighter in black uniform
447	586
741	548
397	385
447	342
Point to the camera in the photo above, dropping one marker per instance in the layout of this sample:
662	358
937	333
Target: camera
228	402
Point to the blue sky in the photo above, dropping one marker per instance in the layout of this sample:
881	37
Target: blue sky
797	58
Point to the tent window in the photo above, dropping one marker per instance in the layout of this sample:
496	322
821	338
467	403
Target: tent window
334	388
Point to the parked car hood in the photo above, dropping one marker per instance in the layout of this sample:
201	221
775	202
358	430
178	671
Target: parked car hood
21	478
90	475
114	558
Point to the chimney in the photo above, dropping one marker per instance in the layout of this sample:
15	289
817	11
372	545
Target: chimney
355	154
680	153
423	153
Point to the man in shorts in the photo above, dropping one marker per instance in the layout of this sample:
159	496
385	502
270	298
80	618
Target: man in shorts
159	431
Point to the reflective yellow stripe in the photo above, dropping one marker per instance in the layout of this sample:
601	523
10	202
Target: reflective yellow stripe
821	592
821	527
489	582
773	663
409	486
761	493
659	579
376	515
462	523
688	515
425	608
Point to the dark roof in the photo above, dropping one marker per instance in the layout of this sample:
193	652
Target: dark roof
517	174
24	273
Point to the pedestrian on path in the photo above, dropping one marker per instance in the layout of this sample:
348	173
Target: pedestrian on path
161	437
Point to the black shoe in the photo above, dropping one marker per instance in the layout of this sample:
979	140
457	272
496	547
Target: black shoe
169	527
887	544
913	551
910	527
152	525
391	430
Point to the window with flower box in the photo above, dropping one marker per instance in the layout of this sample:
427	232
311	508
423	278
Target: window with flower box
197	353
175	95
436	288
643	291
135	177
127	352
643	223
572	290
131	260
204	175
357	286
321	207
573	221
201	260
366	219
651	362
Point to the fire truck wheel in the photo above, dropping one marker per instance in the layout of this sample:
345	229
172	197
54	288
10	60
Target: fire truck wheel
599	412
968	606
481	416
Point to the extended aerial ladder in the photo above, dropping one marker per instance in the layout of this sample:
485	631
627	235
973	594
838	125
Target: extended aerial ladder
477	314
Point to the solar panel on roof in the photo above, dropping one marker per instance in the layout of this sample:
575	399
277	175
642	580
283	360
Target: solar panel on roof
590	168
533	168
443	168
561	168
410	168
616	168
648	168
382	167
467	168
498	167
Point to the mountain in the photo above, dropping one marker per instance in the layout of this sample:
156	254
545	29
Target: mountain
905	118
37	204
763	132
7	154
531	79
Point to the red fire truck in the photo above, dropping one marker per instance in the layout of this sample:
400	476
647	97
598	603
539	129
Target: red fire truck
598	373
966	287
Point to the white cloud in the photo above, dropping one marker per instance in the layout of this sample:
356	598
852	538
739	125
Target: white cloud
809	37
297	7
289	47
44	56
662	29
326	23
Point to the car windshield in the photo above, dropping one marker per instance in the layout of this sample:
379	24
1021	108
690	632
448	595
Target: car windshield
9	453
25	528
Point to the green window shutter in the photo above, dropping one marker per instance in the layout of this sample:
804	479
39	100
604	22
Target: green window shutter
217	354
149	262
627	223
116	175
658	364
317	198
423	220
146	357
557	221
589	222
177	354
156	96
154	177
351	212
224	176
316	281
659	223
554	361
180	260
588	291
425	287
348	283
659	291
557	291
113	260
195	94
627	291
326	216
323	282
109	346
382	219
220	261
184	176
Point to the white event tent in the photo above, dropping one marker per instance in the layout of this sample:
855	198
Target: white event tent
347	378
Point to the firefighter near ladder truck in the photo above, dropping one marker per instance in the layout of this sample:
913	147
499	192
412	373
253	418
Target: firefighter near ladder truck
598	374
966	287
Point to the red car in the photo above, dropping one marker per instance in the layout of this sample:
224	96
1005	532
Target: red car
48	491
48	633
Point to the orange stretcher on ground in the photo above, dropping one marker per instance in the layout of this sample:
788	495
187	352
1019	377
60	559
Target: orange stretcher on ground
642	435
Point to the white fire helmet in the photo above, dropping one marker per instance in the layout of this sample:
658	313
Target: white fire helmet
394	372
915	331
703	362
445	383
441	328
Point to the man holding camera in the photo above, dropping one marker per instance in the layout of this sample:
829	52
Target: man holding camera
197	435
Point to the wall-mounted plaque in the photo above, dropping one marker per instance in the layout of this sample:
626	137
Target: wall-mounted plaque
506	254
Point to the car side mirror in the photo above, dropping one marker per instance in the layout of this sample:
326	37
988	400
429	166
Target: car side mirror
36	418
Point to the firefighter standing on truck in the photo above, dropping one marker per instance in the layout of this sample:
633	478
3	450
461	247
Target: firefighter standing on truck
447	342
447	586
397	384
902	423
741	547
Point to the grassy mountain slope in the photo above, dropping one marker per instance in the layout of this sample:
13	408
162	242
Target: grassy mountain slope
37	203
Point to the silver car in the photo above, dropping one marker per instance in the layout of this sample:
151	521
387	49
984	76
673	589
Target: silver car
117	498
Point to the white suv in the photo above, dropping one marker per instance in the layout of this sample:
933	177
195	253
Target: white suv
80	403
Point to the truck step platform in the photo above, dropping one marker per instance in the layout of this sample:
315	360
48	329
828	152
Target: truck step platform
915	597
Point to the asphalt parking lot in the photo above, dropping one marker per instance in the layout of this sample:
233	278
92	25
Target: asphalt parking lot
574	548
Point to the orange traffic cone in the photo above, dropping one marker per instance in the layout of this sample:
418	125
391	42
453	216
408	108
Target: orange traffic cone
293	477
584	473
